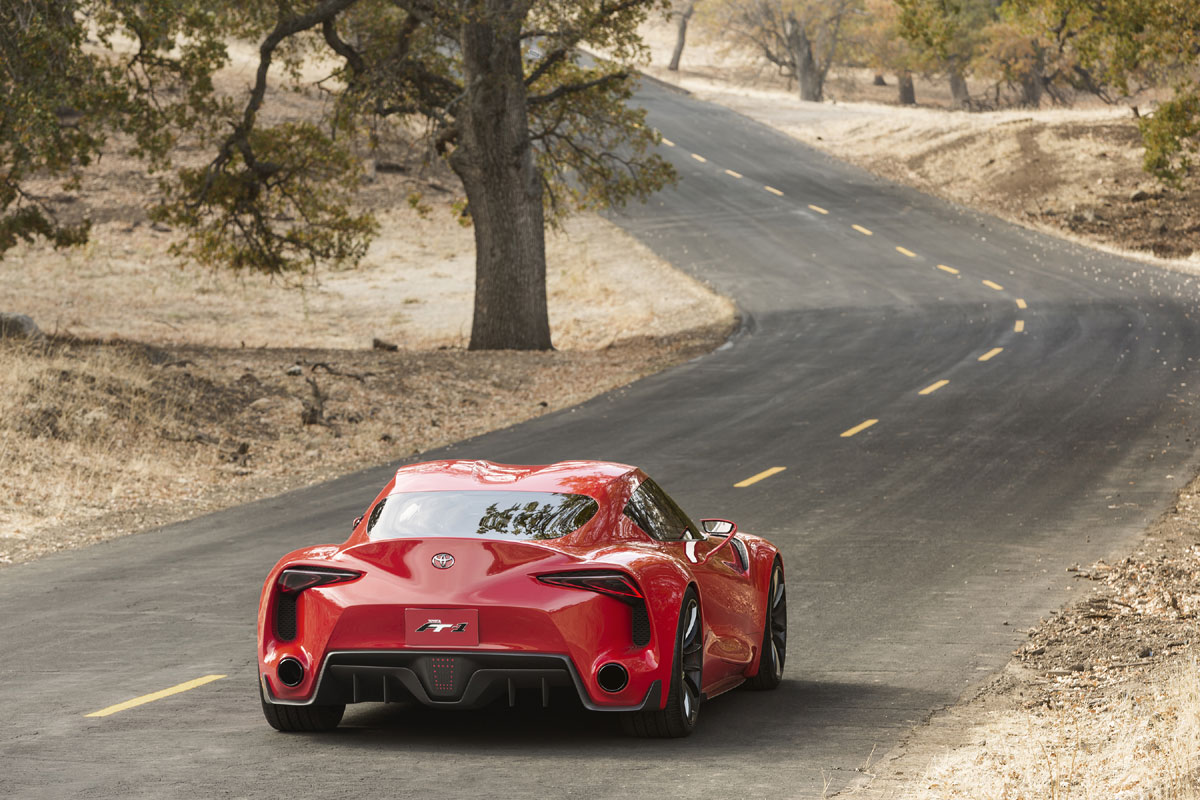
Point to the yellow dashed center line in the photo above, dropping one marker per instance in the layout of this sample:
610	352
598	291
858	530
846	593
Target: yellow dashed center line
933	387
1019	326
861	230
700	158
817	209
1021	303
766	473
667	142
773	190
859	428
733	174
150	698
990	354
905	251
944	268
993	285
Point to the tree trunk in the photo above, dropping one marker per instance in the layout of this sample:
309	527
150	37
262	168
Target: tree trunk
808	76
907	94
1033	84
959	96
681	36
494	158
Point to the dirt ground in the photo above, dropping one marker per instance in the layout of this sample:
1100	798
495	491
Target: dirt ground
1103	701
1069	171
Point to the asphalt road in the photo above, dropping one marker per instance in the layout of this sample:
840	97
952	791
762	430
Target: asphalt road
917	548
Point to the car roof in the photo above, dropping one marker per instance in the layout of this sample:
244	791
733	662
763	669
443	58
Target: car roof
594	478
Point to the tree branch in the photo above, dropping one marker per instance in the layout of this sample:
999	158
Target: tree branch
570	38
572	88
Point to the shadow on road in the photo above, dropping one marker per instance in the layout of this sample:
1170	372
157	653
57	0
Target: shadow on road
799	712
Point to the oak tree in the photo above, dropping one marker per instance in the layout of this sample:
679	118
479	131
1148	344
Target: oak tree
532	127
947	36
801	38
875	42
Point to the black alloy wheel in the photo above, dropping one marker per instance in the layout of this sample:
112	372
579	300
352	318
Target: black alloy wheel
774	641
679	717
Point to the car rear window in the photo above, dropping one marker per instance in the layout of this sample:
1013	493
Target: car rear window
489	515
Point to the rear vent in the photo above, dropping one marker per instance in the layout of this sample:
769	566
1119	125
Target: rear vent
641	626
285	616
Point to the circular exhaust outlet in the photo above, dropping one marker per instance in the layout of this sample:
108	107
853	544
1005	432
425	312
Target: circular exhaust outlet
612	677
290	672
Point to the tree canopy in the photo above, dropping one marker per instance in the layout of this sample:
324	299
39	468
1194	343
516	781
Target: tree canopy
533	128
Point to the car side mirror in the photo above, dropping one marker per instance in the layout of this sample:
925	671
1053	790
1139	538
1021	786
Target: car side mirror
716	527
357	521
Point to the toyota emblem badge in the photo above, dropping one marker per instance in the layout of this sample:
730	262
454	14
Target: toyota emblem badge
443	561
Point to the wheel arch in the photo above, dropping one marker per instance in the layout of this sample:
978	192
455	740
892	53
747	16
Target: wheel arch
764	556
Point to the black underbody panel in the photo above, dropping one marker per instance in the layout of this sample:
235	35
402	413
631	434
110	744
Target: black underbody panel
447	679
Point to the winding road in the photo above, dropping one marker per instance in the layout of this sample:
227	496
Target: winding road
932	412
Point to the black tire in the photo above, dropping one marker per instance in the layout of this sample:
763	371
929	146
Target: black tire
774	641
298	719
679	717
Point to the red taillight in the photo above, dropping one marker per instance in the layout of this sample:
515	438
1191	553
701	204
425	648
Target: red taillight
294	580
611	583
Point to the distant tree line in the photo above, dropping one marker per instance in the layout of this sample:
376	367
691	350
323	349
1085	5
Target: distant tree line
1016	53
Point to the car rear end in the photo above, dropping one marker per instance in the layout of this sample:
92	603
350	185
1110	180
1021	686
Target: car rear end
461	621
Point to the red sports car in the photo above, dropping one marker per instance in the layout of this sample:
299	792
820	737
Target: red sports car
468	582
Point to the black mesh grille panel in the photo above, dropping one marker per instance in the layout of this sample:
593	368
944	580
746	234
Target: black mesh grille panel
285	617
641	625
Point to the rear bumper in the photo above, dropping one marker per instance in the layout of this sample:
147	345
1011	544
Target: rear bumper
442	679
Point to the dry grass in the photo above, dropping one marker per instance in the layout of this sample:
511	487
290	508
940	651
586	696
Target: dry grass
65	420
103	439
415	288
1142	743
1101	701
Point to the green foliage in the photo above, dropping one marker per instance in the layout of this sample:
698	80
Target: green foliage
592	148
48	86
946	35
874	40
287	212
1172	137
277	196
1122	46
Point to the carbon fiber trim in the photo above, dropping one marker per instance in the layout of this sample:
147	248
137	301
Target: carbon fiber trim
285	615
641	626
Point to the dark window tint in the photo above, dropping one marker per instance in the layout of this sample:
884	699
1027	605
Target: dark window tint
376	512
652	510
491	515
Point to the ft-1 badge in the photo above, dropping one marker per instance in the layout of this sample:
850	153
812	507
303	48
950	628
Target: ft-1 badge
437	626
441	627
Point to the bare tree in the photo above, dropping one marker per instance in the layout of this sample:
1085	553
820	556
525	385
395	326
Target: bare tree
800	37
681	22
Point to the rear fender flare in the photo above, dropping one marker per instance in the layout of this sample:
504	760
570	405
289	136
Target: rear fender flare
307	555
663	583
763	556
